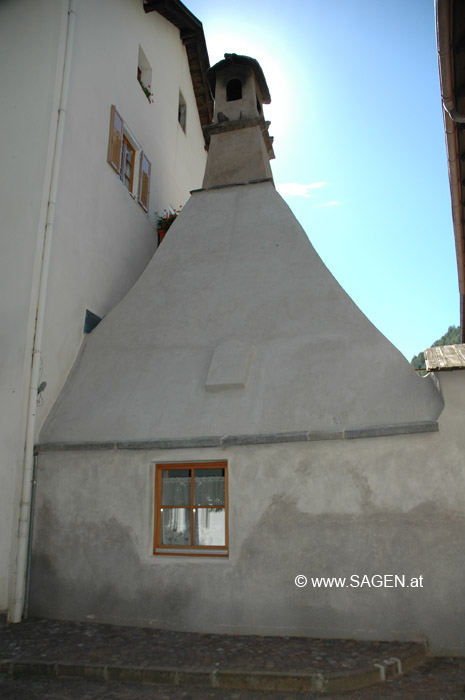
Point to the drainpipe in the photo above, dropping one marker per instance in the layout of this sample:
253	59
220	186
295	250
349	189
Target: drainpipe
29	540
28	468
451	118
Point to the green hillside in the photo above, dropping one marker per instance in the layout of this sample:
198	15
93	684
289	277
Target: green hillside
452	337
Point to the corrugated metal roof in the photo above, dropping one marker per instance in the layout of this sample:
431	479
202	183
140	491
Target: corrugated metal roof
445	357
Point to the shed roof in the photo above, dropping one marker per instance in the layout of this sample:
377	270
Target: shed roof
445	357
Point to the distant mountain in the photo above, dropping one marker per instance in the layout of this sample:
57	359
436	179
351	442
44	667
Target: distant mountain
452	337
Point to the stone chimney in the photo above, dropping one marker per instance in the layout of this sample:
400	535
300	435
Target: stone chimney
240	146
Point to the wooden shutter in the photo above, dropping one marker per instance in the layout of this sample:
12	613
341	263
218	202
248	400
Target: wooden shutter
115	141
144	182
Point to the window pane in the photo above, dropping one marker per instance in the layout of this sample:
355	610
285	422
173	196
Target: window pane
176	487
128	158
209	527
176	526
209	487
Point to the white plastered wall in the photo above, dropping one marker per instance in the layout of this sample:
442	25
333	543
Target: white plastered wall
102	238
31	51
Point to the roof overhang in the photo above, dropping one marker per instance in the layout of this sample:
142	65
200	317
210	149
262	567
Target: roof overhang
193	38
450	34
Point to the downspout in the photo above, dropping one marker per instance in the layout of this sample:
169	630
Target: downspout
451	118
28	468
29	540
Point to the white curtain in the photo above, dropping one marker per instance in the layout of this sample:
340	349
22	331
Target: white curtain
208	490
176	491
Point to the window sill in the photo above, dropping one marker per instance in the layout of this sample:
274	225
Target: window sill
192	552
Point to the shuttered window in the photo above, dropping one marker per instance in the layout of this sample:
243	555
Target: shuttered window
128	160
116	140
144	182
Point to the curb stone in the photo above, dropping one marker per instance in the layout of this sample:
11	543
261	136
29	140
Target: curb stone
313	682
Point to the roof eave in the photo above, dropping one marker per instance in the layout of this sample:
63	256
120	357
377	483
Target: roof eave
444	36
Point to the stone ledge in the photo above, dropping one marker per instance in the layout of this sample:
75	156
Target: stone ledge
349	433
257	181
395	429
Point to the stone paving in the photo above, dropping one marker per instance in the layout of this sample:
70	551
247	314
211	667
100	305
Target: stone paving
94	644
79	643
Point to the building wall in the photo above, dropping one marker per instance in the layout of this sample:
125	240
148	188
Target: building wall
387	505
102	238
31	48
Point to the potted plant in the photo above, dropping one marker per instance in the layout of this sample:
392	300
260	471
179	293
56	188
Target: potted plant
164	221
145	88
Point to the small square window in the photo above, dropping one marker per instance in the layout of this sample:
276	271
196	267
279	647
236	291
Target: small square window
182	112
191	509
144	75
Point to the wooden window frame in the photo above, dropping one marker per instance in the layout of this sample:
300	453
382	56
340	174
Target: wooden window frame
127	144
120	136
191	550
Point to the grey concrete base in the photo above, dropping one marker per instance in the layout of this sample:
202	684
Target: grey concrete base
231	679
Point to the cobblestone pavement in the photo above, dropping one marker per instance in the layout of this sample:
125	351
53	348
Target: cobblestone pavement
48	640
437	679
88	643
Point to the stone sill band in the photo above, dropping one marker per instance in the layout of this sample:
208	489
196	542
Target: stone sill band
259	439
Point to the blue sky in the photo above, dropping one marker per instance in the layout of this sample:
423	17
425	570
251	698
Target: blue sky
360	148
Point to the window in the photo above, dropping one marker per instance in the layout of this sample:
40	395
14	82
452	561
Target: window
127	166
234	90
128	160
182	112
191	509
91	321
144	75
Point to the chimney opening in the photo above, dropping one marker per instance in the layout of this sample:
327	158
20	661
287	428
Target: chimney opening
234	90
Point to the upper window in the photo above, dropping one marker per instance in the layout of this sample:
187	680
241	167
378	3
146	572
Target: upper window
128	160
182	112
191	509
144	75
234	90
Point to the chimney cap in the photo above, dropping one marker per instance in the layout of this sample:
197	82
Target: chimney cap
234	58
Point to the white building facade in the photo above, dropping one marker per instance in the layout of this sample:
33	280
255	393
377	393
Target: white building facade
101	127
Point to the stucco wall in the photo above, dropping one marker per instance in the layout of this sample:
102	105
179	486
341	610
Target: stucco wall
31	43
102	238
236	266
389	505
